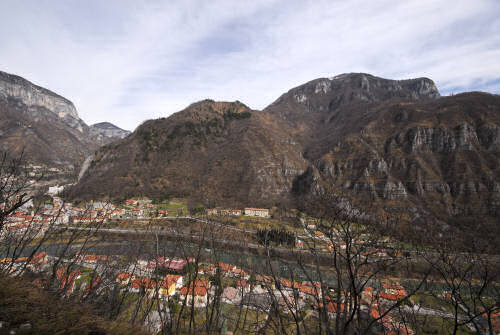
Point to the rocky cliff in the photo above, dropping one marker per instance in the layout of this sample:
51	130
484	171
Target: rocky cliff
31	95
43	125
432	159
308	107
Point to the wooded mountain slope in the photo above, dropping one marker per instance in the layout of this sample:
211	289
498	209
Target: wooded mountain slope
396	144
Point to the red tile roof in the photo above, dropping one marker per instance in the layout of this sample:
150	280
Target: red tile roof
198	291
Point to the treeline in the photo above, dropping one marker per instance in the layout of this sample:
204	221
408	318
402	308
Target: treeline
276	236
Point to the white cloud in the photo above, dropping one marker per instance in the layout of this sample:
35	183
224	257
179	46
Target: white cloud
124	62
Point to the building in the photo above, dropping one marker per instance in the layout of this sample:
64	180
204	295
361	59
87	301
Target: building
236	212
196	293
224	212
259	212
230	295
124	278
167	288
212	211
131	202
177	279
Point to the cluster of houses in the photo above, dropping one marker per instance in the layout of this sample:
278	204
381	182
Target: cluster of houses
37	219
256	212
379	302
35	263
239	287
25	218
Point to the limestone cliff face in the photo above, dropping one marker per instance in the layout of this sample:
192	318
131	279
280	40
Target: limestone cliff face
441	139
15	87
436	159
310	109
357	87
42	124
46	126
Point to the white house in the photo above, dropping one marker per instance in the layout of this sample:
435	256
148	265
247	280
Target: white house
260	212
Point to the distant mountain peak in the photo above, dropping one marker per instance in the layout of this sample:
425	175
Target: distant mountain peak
106	132
105	125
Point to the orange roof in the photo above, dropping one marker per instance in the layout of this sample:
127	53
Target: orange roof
198	291
307	290
201	283
224	266
94	285
170	280
172	277
332	307
143	282
67	280
389	296
17	227
288	283
374	312
285	282
123	276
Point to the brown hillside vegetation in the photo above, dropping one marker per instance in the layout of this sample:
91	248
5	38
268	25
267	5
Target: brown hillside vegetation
395	144
21	303
216	152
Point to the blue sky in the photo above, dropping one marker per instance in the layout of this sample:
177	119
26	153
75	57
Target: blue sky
128	61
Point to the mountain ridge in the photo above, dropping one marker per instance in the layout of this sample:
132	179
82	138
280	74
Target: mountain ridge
394	143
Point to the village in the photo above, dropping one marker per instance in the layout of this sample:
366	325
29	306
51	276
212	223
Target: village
186	281
37	218
56	214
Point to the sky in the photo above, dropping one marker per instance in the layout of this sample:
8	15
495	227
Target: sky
129	61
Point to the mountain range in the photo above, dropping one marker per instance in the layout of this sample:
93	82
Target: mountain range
386	146
46	126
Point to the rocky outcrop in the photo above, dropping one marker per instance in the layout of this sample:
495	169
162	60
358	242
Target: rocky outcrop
439	157
46	126
489	136
462	137
42	136
328	94
31	95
